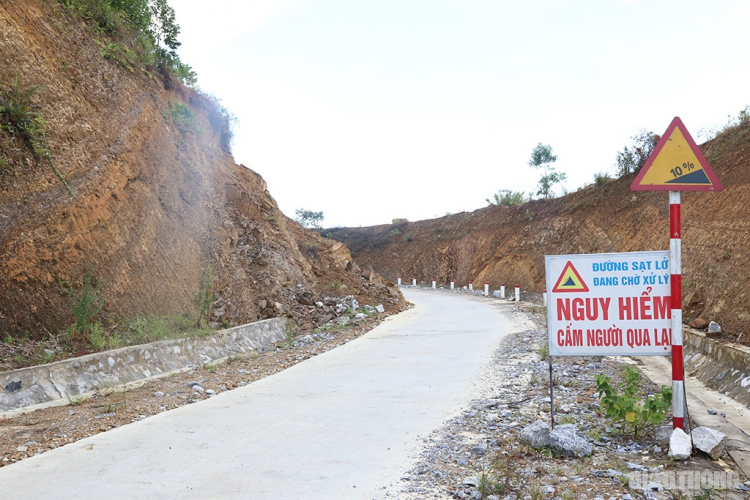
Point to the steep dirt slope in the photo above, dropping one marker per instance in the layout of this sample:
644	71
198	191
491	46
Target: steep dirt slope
502	244
155	198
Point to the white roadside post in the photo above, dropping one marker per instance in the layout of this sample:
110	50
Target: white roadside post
486	289
434	284
399	281
471	285
518	292
414	282
453	284
502	290
544	297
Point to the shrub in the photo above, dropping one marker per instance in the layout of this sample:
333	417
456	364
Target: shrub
507	198
182	116
627	407
601	178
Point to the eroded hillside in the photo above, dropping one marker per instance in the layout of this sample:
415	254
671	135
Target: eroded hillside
508	244
156	196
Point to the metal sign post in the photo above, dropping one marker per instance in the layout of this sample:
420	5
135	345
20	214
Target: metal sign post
676	165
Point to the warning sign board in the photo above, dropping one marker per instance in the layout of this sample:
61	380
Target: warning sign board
676	165
609	304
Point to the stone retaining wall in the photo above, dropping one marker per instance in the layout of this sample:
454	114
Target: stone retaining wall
76	376
725	367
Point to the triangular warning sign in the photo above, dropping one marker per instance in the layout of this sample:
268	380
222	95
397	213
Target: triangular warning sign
570	280
676	165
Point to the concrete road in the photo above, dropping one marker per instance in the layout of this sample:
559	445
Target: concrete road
341	425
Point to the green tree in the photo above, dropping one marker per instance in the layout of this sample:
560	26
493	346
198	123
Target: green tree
631	159
543	157
308	218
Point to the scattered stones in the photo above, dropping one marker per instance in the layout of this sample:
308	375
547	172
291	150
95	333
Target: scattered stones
379	308
709	441
711	411
159	394
713	327
680	445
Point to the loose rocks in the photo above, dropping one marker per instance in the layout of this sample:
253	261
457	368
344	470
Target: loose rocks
709	441
680	445
567	440
536	435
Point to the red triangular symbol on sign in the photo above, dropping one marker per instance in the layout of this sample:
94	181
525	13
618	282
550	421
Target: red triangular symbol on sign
570	280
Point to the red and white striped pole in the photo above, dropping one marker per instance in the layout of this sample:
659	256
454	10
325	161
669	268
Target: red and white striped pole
434	283
675	269
471	285
502	290
518	292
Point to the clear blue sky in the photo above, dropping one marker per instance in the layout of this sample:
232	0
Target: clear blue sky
373	110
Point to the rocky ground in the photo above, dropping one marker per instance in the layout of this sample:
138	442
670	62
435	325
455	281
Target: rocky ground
33	433
477	454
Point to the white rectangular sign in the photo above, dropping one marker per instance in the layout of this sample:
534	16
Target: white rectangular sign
609	304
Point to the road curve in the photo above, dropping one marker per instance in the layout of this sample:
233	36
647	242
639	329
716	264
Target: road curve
340	425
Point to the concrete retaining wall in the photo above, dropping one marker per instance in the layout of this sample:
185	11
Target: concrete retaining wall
72	377
725	367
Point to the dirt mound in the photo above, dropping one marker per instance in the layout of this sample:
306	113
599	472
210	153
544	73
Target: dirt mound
508	244
156	199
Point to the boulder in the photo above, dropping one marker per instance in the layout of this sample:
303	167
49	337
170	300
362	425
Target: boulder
379	308
567	440
497	294
680	445
698	323
713	327
535	435
709	441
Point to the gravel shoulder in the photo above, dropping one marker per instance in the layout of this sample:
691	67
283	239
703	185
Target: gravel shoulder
478	454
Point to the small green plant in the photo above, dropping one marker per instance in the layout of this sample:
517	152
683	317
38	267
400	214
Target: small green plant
409	237
205	295
74	401
85	304
544	351
528	215
627	407
21	118
335	285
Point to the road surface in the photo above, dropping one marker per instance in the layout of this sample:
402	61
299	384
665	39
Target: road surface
343	424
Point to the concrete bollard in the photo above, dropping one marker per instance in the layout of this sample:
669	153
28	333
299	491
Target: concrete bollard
434	284
502	290
414	282
544	296
453	284
486	289
518	292
471	286
399	281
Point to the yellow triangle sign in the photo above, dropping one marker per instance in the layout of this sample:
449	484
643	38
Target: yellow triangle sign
676	165
570	280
